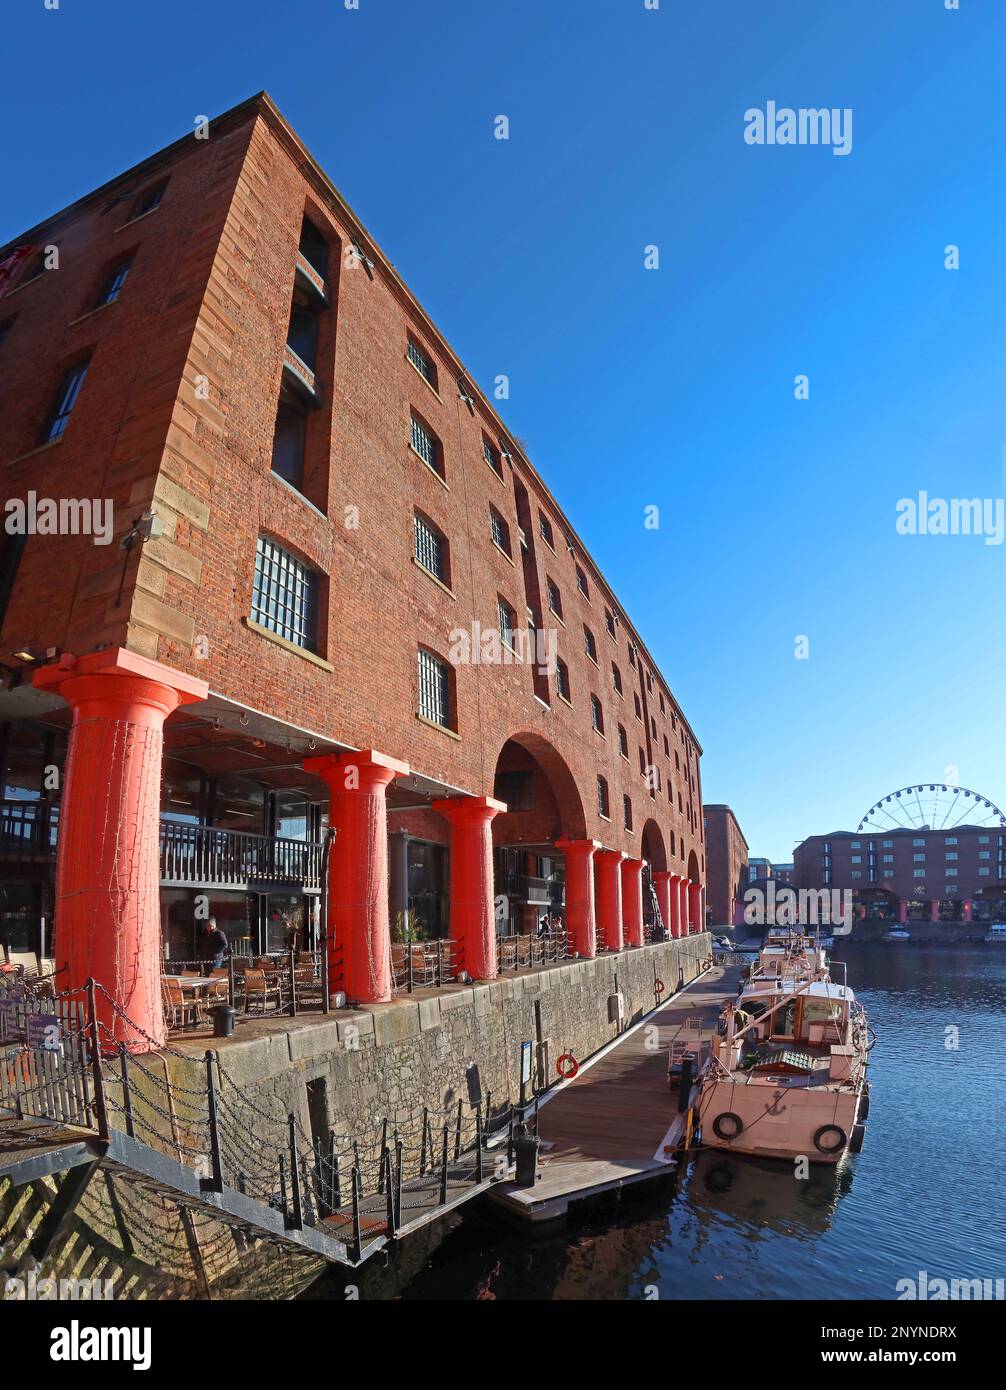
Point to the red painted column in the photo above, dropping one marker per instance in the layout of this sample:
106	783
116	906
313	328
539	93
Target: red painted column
694	908
683	904
968	906
580	922
902	910
632	901
108	908
674	893
934	909
473	899
609	896
662	888
359	939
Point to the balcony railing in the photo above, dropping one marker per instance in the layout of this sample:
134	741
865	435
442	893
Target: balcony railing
27	831
211	858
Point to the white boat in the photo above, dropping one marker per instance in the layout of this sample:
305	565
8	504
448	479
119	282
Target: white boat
897	934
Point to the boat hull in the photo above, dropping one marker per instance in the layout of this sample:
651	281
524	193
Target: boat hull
778	1121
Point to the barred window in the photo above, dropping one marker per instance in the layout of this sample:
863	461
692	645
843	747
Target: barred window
589	645
66	399
596	714
431	548
427	445
562	678
616	678
423	364
581	582
500	530
627	812
602	797
285	595
545	529
554	597
492	456
609	622
113	283
434	689
507	620
623	741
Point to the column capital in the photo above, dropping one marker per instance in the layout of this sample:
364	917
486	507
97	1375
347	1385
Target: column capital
374	768
663	874
609	855
633	864
469	807
578	846
92	677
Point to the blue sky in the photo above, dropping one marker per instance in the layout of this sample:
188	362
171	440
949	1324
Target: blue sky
672	387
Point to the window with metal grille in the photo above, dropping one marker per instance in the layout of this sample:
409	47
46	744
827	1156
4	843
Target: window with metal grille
423	364
616	678
638	707
623	741
431	548
149	199
66	399
609	621
426	445
581	582
589	645
113	283
545	530
285	595
602	797
596	714
507	620
562	678
500	530
492	456
554	597
434	689
627	812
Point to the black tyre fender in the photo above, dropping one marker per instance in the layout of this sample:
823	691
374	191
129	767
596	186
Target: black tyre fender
864	1106
728	1125
822	1134
858	1135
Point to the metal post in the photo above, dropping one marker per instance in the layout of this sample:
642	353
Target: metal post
387	1179
293	983
384	1145
127	1100
216	1182
230	980
357	1238
335	1199
478	1144
457	1136
99	1081
326	988
409	977
398	1182
443	1168
509	1140
295	1219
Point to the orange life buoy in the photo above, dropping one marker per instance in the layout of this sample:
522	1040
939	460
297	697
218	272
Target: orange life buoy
567	1072
658	986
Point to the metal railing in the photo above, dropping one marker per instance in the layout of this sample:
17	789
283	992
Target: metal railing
212	858
526	952
27	830
423	964
282	984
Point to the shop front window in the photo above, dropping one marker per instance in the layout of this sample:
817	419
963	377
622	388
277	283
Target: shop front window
286	923
240	805
292	816
183	795
427	896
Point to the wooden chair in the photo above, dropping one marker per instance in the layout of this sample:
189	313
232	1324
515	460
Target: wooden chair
178	1011
259	991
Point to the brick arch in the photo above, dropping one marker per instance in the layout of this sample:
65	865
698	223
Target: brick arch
652	844
693	868
564	814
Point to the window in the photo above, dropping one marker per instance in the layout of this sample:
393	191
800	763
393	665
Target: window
951	873
661	697
562	678
918	873
950	839
984	854
888	873
554	597
983	839
288	442
627	812
918	842
507	621
500	531
609	622
516	789
887	844
638	706
302	334
434	689
919	858
856	873
313	247
632	654
581	582
623	742
602	798
649	683
66	399
950	854
545	530
422	363
589	645
855	844
667	747
285	595
149	199
856	859
113	283
430	547
492	456
984	873
642	762
596	714
888	858
616	678
427	445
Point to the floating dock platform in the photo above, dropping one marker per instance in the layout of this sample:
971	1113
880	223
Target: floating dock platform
617	1121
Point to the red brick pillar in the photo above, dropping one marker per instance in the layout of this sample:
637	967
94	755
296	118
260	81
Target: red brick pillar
632	901
662	887
683	905
968	906
107	908
902	910
359	939
580	921
473	914
934	909
695	908
674	897
609	896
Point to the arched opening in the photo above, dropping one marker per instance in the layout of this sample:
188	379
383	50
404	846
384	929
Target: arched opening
544	805
693	868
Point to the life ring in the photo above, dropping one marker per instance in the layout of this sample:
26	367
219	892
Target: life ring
567	1072
824	1148
728	1125
658	986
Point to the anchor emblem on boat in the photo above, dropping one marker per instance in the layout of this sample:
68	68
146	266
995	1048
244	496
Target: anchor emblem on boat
775	1108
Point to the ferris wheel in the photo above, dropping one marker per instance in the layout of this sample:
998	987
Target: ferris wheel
932	806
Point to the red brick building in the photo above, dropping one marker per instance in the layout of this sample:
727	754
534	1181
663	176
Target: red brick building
920	874
726	864
322	540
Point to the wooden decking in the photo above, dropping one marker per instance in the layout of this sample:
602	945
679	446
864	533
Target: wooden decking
617	1121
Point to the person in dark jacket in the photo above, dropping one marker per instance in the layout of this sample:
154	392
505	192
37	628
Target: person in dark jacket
213	946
